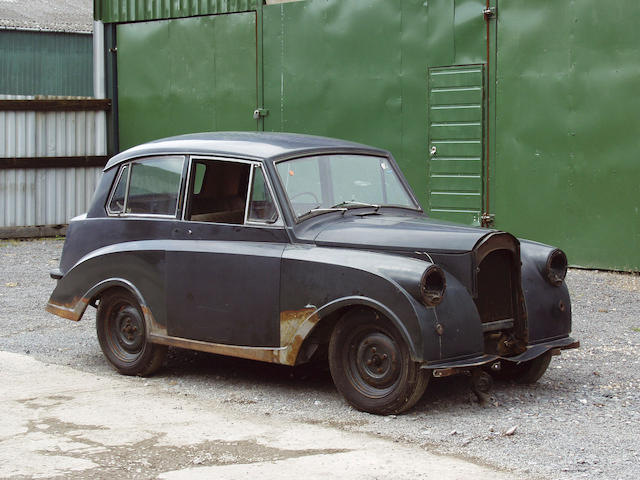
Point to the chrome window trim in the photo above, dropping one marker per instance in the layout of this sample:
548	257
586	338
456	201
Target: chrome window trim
278	222
115	187
248	197
253	163
187	182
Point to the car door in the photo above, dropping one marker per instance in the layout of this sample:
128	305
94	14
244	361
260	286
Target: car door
223	263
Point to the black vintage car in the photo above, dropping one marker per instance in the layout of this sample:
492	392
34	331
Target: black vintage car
283	247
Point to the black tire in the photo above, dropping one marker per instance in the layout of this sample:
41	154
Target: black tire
371	366
524	372
123	336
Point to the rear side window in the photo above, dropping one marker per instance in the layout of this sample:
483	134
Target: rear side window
151	187
116	204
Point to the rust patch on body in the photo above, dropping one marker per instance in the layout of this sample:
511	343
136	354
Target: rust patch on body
295	325
71	311
292	350
270	355
153	326
290	322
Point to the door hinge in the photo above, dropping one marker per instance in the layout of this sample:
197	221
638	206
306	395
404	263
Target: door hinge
489	13
487	219
260	112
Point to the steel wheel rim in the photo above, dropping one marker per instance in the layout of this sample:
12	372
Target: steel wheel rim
125	332
372	362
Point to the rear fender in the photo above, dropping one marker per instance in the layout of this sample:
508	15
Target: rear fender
138	267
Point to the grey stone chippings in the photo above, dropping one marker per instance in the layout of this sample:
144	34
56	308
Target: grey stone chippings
581	420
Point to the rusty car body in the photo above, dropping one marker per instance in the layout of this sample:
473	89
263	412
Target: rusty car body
281	247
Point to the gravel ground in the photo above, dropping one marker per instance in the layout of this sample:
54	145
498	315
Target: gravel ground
581	420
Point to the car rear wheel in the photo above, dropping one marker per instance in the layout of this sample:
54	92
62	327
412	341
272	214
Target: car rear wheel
123	336
371	365
524	372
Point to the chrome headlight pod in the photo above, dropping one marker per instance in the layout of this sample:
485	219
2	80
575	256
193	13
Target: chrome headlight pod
556	267
432	286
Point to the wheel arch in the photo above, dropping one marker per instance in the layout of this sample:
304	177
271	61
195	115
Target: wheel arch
318	326
76	309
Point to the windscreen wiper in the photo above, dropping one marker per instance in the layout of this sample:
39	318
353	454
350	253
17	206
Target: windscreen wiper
353	204
319	209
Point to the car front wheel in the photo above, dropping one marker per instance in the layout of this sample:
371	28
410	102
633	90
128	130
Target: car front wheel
371	365
123	336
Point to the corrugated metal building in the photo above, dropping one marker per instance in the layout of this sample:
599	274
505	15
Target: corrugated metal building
51	132
512	113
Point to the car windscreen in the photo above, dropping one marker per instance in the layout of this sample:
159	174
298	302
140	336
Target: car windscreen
341	181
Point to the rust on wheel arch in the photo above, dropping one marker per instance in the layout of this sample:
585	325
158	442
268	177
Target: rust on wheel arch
71	311
295	326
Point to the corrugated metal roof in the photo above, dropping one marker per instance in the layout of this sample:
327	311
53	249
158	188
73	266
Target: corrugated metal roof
120	11
73	16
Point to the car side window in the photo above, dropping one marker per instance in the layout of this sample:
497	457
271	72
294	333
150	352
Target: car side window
262	209
116	204
218	191
149	186
154	186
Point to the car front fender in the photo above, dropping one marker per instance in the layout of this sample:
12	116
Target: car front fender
318	281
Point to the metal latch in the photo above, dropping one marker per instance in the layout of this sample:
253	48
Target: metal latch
260	112
487	219
489	13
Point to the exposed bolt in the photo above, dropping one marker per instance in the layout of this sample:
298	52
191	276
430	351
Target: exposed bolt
373	349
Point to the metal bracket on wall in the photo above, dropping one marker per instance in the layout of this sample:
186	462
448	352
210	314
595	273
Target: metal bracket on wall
260	112
489	13
487	219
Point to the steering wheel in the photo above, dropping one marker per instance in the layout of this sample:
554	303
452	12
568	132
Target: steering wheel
311	194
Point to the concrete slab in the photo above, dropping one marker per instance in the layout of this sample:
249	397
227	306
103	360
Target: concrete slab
56	421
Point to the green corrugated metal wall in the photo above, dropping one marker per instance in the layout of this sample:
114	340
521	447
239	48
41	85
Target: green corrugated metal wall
45	63
199	75
566	165
560	103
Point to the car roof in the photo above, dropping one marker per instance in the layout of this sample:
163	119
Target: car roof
248	145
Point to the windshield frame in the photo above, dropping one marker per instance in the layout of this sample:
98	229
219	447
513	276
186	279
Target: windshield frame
391	162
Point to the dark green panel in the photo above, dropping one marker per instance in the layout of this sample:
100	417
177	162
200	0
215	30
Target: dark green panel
363	76
469	31
333	68
566	165
186	75
116	11
45	63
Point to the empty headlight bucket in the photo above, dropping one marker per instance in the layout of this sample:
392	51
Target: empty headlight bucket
432	286
556	267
